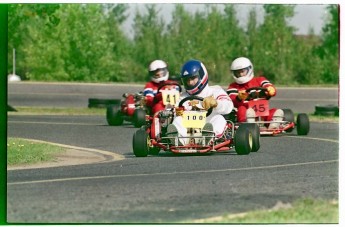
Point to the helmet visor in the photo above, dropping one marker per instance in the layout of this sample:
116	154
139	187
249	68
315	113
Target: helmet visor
190	81
158	73
240	72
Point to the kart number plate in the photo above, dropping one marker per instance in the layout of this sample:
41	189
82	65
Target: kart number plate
260	106
170	96
194	119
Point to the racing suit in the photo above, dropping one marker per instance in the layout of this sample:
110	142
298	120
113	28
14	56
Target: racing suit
154	100
218	121
242	105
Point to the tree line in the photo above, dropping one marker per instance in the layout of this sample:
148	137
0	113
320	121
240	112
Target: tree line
85	42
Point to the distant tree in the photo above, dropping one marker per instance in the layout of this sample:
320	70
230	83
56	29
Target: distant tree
148	33
252	35
20	17
180	37
78	49
328	51
122	48
307	65
275	55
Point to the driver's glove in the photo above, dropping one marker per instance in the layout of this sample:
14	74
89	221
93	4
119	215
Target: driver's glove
242	95
209	102
271	91
142	101
179	111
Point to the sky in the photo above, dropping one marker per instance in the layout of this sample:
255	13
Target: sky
306	15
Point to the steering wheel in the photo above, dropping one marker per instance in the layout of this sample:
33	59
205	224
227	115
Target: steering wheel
260	92
193	97
169	83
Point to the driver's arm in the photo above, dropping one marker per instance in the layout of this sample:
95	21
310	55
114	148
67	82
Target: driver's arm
225	105
265	83
149	95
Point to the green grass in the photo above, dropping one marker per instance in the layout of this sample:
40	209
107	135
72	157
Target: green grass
321	118
302	211
21	151
59	111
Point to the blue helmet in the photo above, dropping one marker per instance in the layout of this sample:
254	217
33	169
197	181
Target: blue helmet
194	69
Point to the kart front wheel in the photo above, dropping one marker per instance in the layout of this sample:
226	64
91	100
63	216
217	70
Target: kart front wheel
255	131
243	140
139	118
114	115
140	143
302	124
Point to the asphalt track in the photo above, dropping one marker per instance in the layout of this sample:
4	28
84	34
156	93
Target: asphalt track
164	188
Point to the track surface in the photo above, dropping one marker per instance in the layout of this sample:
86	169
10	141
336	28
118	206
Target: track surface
165	188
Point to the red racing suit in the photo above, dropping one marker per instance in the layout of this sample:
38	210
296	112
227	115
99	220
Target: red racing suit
154	100
242	105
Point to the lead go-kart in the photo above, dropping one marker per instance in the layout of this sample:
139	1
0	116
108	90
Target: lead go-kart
150	139
258	101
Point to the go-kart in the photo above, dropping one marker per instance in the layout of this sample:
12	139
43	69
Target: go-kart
131	108
153	137
258	101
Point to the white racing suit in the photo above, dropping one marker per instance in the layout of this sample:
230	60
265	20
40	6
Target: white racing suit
218	122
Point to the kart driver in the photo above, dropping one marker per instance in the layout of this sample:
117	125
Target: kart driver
194	78
242	71
159	74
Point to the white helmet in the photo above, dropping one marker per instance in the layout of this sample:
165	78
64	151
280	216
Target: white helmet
242	63
158	71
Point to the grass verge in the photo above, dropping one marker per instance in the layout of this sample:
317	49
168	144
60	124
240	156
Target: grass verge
302	211
58	111
21	151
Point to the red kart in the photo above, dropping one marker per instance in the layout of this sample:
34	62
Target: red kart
152	138
258	101
131	108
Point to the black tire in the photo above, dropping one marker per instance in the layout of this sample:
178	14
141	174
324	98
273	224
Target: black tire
255	131
290	117
140	143
303	125
328	110
243	140
114	115
139	118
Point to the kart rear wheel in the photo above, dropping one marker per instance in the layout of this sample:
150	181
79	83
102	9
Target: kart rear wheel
303	125
255	130
114	115
290	117
140	143
139	118
243	140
